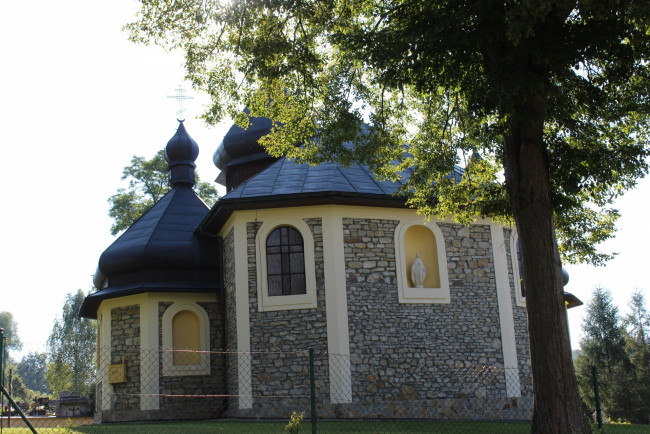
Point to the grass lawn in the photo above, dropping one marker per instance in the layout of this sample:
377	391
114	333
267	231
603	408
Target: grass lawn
377	427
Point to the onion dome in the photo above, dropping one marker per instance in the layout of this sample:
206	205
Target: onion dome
162	251
240	156
181	153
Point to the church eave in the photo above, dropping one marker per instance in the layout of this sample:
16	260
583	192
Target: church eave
92	302
218	216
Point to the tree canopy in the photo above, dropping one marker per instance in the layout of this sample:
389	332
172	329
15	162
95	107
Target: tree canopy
616	347
148	183
553	94
72	346
10	331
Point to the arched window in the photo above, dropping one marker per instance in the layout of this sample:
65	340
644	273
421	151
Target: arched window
186	340
517	270
286	275
285	262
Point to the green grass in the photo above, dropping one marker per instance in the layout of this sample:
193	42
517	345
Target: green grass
376	427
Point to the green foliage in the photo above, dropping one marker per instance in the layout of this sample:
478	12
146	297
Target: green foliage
148	183
295	422
620	356
431	81
32	369
19	391
12	341
72	348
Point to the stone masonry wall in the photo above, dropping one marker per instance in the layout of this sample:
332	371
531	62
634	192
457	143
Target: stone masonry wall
521	326
211	387
408	352
125	346
279	340
231	319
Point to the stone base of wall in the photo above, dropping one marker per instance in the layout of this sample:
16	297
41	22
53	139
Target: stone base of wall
479	409
183	409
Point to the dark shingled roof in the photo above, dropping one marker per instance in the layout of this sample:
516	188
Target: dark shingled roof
162	251
285	177
286	183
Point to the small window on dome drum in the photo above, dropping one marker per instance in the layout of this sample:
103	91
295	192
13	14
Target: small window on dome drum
285	262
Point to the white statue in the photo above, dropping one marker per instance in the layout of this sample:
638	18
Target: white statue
418	272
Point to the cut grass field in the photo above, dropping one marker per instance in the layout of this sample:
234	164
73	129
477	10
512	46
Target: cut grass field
377	427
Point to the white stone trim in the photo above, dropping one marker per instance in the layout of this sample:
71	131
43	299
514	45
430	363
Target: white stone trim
506	319
421	295
169	369
285	302
336	308
243	316
149	364
516	274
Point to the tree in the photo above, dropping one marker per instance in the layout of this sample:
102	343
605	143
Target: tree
32	369
603	346
72	346
637	325
554	93
148	183
10	331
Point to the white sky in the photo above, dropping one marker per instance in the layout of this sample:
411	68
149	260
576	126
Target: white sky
78	100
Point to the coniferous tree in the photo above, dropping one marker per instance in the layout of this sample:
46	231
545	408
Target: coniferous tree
637	331
603	346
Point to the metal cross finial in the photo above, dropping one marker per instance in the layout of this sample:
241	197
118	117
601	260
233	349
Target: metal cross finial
180	97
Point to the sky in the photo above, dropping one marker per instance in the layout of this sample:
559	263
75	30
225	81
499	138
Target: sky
78	101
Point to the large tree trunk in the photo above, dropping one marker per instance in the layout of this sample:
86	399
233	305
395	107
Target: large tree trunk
557	406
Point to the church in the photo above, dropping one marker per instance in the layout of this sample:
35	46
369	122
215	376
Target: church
206	313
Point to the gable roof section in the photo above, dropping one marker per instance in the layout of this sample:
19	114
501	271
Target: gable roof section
285	184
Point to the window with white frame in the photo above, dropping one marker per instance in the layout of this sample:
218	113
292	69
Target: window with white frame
421	261
286	274
517	270
185	336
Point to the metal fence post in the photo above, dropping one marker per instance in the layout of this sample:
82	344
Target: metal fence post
312	391
599	414
2	356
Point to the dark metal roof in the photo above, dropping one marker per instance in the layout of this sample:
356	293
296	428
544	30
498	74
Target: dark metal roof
286	183
285	177
161	252
181	152
239	142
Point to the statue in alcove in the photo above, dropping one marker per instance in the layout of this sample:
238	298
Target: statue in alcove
418	272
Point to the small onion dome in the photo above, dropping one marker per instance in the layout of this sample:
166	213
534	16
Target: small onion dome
162	251
180	153
242	143
240	156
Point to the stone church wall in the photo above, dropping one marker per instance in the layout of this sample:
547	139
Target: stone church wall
205	407
420	346
521	326
125	346
231	318
280	376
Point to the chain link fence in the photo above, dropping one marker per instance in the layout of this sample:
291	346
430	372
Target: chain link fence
149	390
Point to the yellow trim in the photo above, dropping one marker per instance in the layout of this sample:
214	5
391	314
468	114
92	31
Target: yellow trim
285	302
427	295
